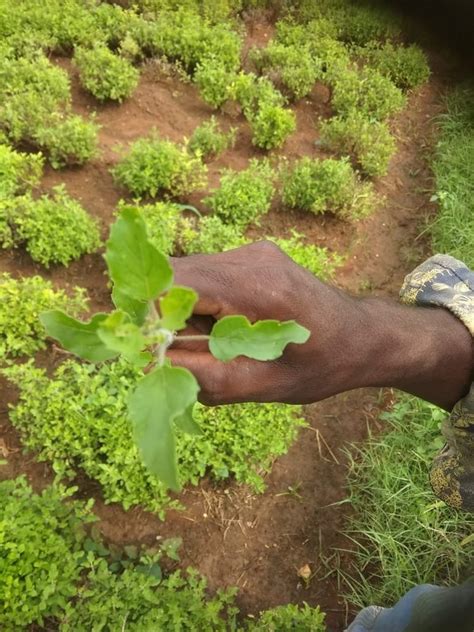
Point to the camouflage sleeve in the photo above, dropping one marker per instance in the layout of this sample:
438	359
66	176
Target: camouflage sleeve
443	281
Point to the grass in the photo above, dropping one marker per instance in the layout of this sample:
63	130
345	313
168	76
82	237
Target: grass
453	230
400	534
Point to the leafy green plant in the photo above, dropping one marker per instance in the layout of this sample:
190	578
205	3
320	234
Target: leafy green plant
272	125
289	617
163	223
67	419
366	92
209	235
41	552
406	66
141	332
243	196
147	602
208	140
106	75
317	260
400	533
213	80
55	229
19	171
370	143
22	301
153	164
326	185
251	92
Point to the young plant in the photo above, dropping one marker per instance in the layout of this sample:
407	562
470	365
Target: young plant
271	126
406	66
154	164
141	331
19	171
104	74
243	196
209	235
370	143
55	229
22	301
208	140
214	81
323	185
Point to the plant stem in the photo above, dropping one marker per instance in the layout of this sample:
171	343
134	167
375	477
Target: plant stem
192	338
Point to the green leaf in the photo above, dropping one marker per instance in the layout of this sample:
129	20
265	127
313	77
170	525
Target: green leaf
159	399
124	337
265	340
136	267
187	424
79	338
176	307
137	310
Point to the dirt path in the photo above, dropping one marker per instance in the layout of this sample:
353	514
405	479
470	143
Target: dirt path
257	543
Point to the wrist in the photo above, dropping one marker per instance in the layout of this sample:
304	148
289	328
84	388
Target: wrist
427	352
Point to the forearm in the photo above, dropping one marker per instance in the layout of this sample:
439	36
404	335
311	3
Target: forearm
424	351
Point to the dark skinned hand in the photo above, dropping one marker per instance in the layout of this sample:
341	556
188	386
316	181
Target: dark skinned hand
354	342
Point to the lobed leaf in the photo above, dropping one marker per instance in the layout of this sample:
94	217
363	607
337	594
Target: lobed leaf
162	397
234	336
79	338
176	307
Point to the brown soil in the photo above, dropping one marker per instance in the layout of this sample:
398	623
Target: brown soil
234	538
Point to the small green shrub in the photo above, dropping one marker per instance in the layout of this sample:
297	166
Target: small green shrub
55	229
400	533
19	172
68	420
292	66
145	601
406	66
251	92
272	125
41	552
163	222
289	617
153	164
243	196
370	143
209	235
366	92
214	81
22	301
208	139
317	260
326	185
67	140
106	75
361	24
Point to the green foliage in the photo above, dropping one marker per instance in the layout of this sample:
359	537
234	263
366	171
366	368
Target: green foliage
406	66
213	80
289	617
453	229
145	602
400	534
106	75
155	165
55	229
243	196
209	235
272	125
68	418
326	185
18	171
251	92
40	556
22	301
163	223
365	92
291	65
208	139
35	106
317	260
370	143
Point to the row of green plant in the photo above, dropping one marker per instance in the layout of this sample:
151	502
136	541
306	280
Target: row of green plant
57	573
399	535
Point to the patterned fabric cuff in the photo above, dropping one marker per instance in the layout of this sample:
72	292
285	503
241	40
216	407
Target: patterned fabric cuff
443	281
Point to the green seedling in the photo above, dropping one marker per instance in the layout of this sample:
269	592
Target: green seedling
150	312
